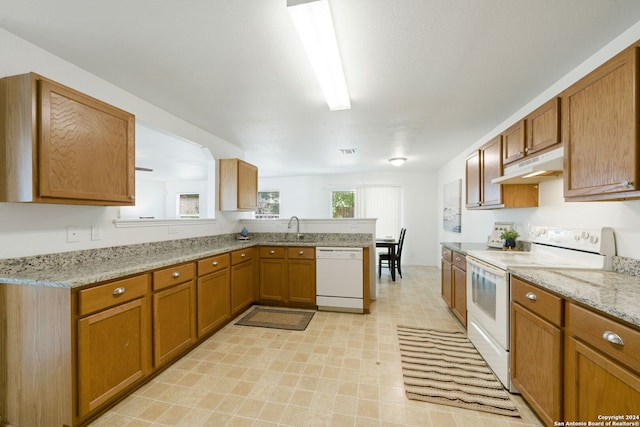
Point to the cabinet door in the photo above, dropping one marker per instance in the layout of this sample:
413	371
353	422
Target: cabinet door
536	362
491	166
513	142
241	286
302	281
446	280
113	352
174	321
214	301
247	185
543	127
459	298
473	177
597	385
272	279
86	148
600	132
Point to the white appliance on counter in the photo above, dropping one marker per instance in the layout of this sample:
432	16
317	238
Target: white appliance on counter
488	283
339	279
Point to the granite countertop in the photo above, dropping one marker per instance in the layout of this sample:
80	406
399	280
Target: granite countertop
612	293
79	268
463	247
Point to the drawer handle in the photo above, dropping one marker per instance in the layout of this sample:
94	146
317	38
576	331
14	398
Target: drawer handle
242	255
175	274
272	252
215	263
531	296
300	252
613	338
119	291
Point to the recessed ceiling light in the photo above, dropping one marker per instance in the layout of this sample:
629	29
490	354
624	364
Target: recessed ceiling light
397	161
347	150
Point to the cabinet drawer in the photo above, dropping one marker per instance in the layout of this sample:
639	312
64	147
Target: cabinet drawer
242	255
538	301
301	252
593	328
211	264
173	275
272	252
446	254
110	294
459	260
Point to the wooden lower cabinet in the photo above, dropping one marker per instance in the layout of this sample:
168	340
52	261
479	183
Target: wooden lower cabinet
537	348
445	276
273	274
601	377
301	275
454	282
242	279
213	294
174	322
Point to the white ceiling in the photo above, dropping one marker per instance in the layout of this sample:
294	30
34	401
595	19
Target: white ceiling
427	78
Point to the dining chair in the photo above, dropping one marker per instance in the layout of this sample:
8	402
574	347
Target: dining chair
392	262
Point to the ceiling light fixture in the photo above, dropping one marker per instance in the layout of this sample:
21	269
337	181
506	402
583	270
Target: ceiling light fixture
347	150
397	161
312	19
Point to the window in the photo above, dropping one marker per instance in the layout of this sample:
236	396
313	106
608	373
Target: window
188	205
268	205
343	204
384	203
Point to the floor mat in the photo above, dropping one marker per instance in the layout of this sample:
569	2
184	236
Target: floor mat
278	319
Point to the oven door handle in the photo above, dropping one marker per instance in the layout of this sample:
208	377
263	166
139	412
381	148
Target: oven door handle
485	266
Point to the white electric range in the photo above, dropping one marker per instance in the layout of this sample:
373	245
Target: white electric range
488	282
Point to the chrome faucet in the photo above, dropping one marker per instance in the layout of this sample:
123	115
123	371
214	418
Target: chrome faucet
298	235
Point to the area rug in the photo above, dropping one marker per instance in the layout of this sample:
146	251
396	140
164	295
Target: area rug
292	320
444	367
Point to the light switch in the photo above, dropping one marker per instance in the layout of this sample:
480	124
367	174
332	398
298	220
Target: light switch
96	232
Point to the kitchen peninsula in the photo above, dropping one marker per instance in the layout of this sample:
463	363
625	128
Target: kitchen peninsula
81	330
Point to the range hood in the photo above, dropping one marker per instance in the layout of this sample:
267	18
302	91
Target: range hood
533	169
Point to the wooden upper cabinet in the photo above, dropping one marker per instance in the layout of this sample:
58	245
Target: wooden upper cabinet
514	142
600	132
238	185
484	165
543	127
473	177
61	146
491	167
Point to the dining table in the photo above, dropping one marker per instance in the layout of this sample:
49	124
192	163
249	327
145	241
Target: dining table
391	245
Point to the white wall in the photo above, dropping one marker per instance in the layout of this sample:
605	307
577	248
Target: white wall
30	229
310	197
623	217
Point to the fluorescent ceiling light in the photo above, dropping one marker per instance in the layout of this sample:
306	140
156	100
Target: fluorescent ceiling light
397	161
312	19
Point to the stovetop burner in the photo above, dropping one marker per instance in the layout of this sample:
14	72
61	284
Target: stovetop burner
553	247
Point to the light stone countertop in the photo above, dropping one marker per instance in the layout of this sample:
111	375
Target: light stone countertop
612	293
80	268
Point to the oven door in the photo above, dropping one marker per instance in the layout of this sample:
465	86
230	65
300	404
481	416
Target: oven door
488	299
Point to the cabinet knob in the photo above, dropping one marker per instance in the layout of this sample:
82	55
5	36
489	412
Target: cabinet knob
458	259
300	252
613	338
531	296
627	184
526	150
175	274
272	252
119	291
242	255
215	263
132	197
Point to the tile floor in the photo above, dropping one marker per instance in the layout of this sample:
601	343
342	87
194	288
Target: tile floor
344	370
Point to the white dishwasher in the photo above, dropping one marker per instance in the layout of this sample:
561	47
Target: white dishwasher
339	284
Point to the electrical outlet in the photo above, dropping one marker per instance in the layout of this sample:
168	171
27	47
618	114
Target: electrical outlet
96	232
73	233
